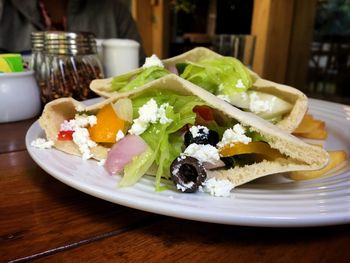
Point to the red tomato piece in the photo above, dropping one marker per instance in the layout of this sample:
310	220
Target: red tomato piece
65	135
204	112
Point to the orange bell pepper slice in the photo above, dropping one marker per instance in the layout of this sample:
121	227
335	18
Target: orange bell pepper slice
107	126
250	148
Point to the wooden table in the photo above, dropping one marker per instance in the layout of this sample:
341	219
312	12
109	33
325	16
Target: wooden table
45	220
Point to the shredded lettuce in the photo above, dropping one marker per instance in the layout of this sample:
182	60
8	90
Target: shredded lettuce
164	140
137	168
132	80
255	136
220	76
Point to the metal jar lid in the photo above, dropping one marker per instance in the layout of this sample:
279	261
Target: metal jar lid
37	39
69	43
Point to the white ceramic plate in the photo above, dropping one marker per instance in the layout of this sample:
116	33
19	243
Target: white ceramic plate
270	201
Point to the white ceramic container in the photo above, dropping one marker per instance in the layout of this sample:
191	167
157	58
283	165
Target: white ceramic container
119	56
19	96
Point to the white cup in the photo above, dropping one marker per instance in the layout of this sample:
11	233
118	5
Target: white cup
99	48
19	96
119	56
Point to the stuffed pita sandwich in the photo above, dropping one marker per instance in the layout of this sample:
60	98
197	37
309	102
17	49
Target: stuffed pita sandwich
225	77
174	130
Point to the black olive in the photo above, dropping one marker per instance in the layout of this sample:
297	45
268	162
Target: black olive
229	161
187	173
203	137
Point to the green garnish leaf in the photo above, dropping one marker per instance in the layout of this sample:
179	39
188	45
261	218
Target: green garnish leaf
133	80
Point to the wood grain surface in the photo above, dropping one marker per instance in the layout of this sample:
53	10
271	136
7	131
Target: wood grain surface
13	135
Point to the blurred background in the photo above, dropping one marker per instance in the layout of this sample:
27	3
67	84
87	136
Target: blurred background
305	44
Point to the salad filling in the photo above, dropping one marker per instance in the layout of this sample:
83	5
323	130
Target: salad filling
175	137
225	77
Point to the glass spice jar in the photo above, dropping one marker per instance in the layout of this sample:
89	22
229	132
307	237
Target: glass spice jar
37	57
70	64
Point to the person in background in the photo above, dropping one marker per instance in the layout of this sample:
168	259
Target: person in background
104	18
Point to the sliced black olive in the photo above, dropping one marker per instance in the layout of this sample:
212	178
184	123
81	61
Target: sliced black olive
239	160
187	173
203	137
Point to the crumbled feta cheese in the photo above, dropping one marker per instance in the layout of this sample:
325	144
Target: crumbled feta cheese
81	138
195	130
67	125
80	108
149	113
240	84
161	114
184	186
224	97
202	152
81	135
176	170
120	135
234	135
92	120
42	143
153	61
239	129
257	105
138	127
78	121
218	187
85	120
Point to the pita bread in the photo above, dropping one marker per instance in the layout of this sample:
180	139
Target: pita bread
298	154
295	97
